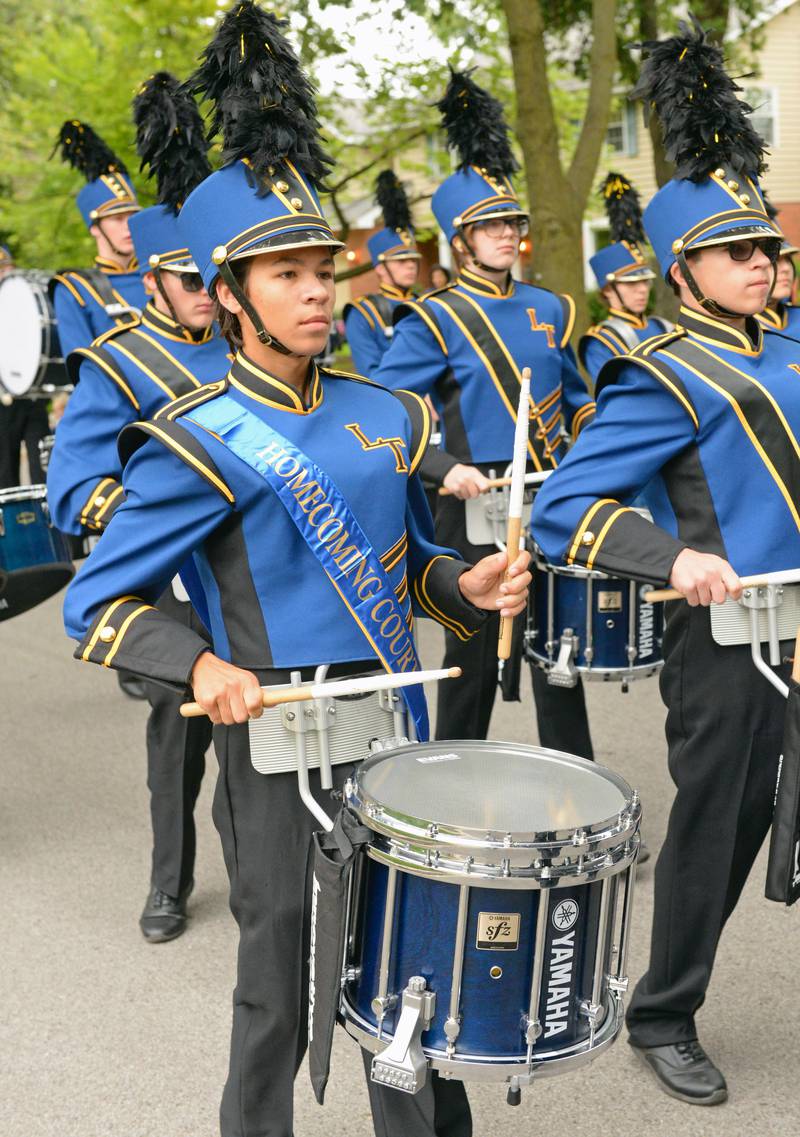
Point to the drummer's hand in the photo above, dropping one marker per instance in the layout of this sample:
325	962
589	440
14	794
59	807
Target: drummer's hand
486	587
226	693
704	578
465	481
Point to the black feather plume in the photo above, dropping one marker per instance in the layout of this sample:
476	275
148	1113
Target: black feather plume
170	138
391	197
704	125
476	126
264	105
85	151
622	207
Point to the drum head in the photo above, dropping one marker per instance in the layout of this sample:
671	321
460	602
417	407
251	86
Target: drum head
496	787
20	333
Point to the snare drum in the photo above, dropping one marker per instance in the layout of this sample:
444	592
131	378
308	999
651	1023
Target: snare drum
583	622
31	363
488	919
34	556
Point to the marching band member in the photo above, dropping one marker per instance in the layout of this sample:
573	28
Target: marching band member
780	312
464	346
128	374
89	302
623	277
711	412
294	491
369	319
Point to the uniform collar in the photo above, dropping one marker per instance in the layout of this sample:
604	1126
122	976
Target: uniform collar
113	269
156	321
775	316
475	283
393	293
260	385
639	322
720	333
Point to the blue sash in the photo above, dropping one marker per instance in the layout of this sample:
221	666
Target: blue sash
329	528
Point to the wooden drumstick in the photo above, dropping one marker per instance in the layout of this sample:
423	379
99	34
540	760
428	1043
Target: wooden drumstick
796	660
532	479
515	499
782	576
277	696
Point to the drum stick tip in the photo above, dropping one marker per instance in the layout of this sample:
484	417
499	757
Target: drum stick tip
454	672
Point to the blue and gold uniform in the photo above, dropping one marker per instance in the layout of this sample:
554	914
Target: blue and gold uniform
783	315
342	459
369	320
619	263
709	415
464	346
89	302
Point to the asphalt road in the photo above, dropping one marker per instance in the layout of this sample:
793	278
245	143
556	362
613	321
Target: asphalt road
102	1035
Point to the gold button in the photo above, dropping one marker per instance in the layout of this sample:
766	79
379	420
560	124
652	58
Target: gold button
100	500
677	245
457	221
587	538
296	202
220	255
154	259
611	277
720	172
282	187
745	199
108	634
734	185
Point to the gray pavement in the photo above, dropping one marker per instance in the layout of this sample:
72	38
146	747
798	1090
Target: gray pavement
102	1035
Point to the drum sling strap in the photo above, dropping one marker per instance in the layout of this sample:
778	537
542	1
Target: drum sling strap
281	464
155	363
783	865
544	439
122	314
627	333
330	867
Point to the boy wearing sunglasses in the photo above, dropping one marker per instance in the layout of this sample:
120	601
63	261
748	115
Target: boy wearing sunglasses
707	416
465	346
125	375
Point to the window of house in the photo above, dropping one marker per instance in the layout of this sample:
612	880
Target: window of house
621	134
764	119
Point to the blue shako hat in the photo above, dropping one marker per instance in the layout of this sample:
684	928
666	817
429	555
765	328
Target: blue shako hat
481	186
108	189
714	197
396	240
171	140
265	197
6	258
622	260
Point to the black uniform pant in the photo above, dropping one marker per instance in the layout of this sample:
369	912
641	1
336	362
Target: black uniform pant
724	731
25	420
464	706
176	750
265	831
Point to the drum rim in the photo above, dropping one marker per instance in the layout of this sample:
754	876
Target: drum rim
425	831
39	280
36	492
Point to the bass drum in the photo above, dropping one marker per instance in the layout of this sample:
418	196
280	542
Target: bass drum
31	363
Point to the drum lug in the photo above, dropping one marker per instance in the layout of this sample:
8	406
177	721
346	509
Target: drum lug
403	1064
564	673
594	1012
531	1029
452	1029
383	1003
350	975
618	984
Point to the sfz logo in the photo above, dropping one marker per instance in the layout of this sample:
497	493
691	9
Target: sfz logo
396	445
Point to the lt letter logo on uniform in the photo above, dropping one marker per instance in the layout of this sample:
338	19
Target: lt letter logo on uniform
396	445
548	328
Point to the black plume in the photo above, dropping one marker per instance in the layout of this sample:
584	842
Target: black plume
704	125
85	151
391	197
170	138
263	103
476	126
623	210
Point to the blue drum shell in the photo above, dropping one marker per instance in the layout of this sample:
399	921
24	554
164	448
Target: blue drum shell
610	626
35	559
492	1009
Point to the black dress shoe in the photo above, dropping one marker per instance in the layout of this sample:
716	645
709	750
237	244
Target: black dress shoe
164	917
684	1071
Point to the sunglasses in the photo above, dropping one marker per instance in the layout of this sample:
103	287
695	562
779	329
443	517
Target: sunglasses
496	226
191	281
742	251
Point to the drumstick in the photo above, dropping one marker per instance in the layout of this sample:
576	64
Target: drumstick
782	576
533	479
515	500
277	696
